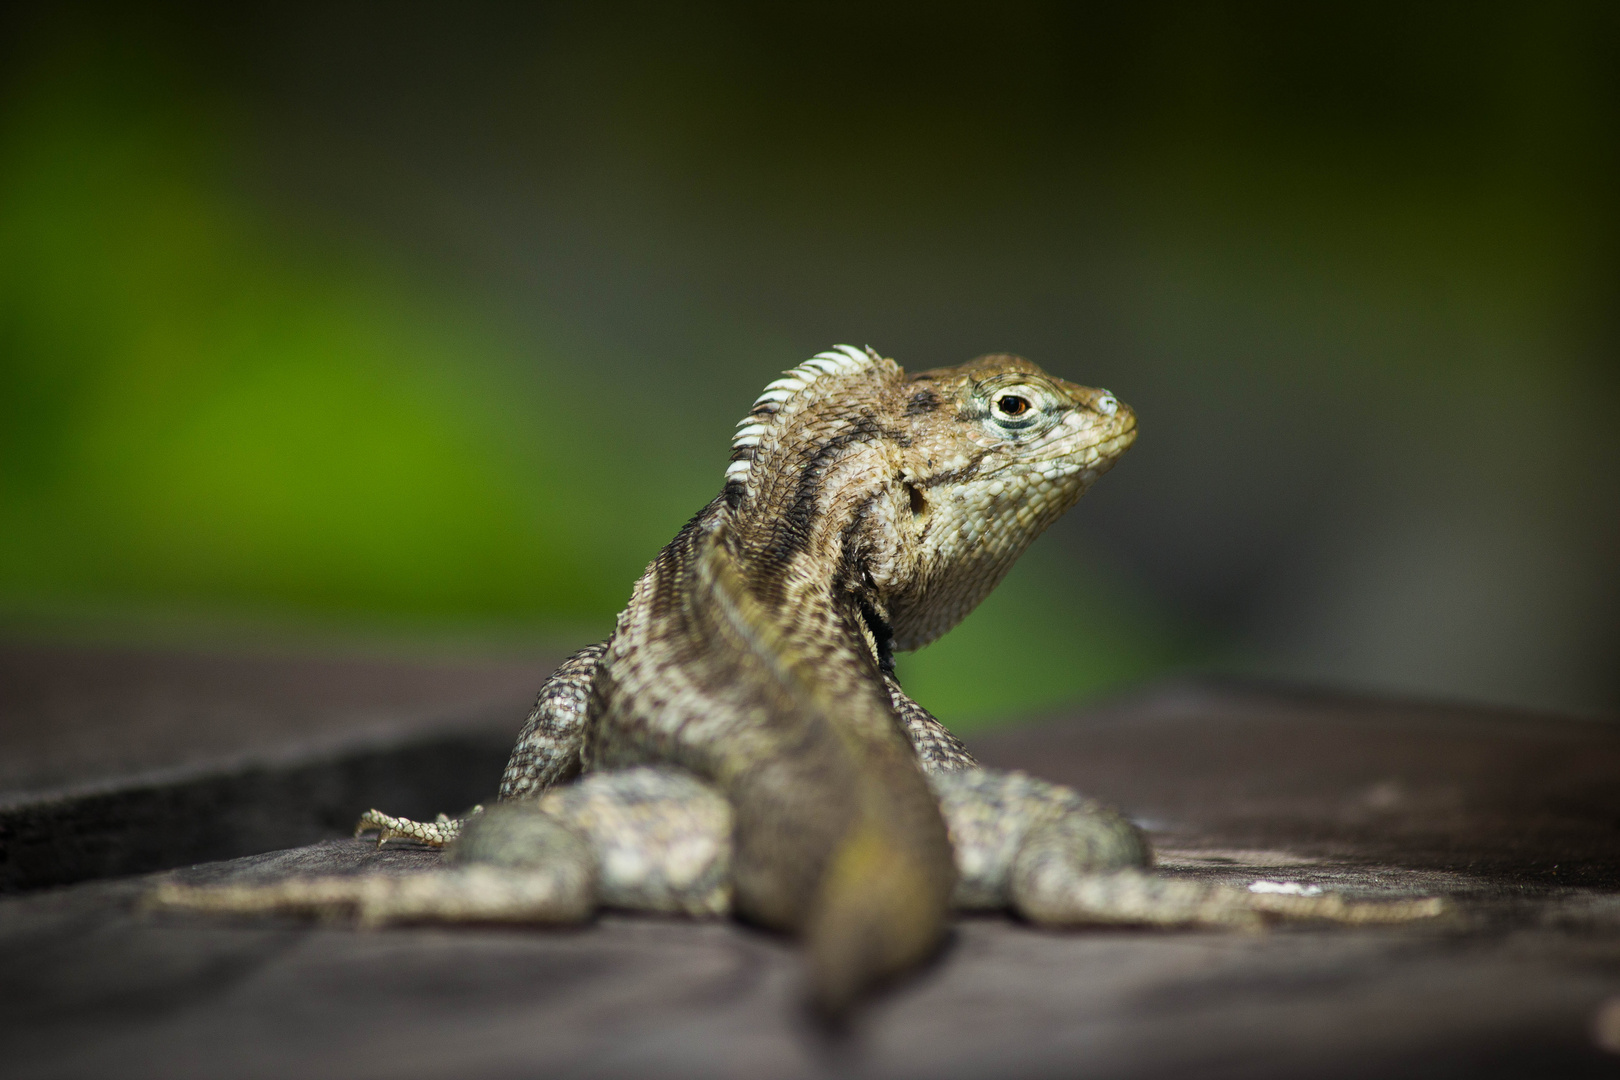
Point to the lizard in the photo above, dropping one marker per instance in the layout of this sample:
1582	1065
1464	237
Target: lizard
741	744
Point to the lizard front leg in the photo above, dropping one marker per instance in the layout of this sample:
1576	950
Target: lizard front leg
547	752
938	748
548	748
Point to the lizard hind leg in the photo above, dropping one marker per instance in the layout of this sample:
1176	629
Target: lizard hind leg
1059	859
992	814
547	878
644	839
1056	880
661	839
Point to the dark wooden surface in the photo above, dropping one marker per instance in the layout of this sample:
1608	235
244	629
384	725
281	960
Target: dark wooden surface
1515	817
118	761
76	716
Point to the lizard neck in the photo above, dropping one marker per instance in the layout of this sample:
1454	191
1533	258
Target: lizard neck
818	531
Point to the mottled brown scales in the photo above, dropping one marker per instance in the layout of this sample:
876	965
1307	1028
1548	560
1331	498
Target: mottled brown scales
740	742
547	750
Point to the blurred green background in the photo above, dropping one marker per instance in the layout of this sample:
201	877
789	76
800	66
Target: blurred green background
346	324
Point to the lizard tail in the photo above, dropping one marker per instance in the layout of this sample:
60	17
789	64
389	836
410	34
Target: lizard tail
880	911
839	837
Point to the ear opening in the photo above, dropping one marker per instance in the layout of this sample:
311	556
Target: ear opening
919	501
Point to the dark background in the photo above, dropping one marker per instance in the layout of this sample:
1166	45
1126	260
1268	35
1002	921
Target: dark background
338	325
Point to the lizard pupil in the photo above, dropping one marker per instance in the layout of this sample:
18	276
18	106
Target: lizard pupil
1013	405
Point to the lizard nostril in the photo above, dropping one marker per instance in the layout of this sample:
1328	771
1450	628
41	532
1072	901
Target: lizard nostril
1106	403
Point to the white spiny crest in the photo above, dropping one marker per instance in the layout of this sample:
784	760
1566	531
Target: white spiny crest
839	360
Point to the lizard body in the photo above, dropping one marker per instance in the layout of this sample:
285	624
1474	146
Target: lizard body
740	743
863	510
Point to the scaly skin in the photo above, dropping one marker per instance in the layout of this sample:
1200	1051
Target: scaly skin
740	743
863	510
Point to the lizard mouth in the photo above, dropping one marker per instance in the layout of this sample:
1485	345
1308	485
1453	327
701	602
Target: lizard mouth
1109	444
1118	443
1072	456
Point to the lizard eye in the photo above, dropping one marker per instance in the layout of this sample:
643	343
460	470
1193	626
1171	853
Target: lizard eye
1016	408
1012	405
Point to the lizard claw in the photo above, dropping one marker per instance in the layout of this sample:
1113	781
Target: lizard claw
384	825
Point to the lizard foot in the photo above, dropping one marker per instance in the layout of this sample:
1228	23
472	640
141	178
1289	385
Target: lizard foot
432	833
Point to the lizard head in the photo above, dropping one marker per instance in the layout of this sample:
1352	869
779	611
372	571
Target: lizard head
912	494
993	451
